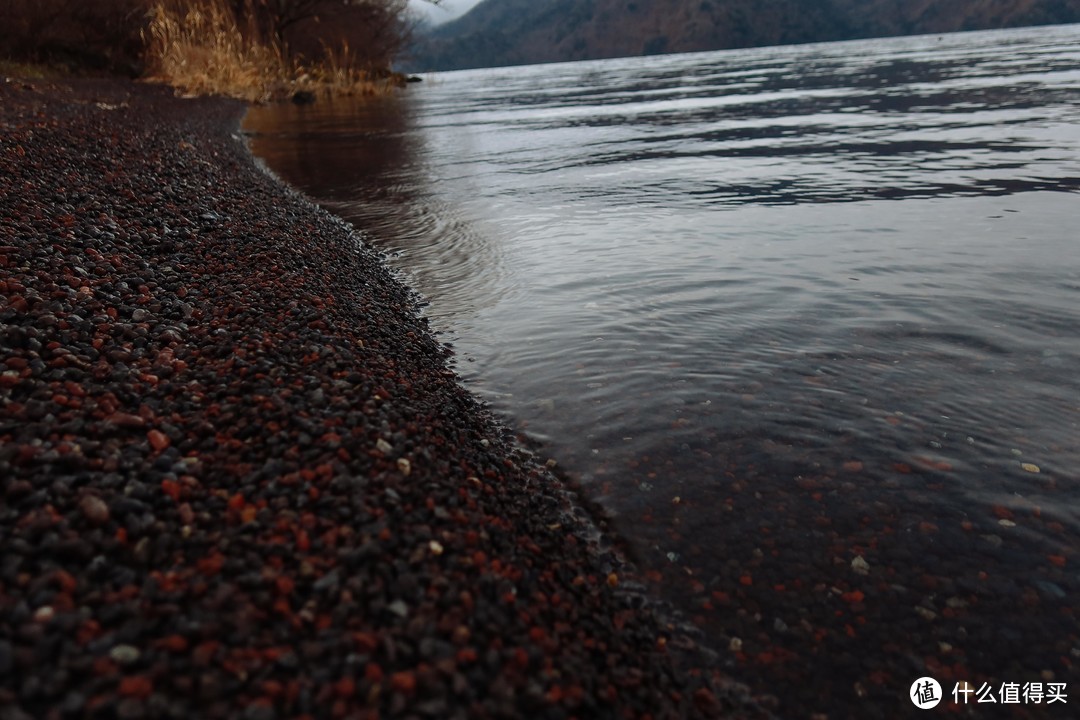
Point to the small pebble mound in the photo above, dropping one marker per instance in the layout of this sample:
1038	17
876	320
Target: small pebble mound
238	479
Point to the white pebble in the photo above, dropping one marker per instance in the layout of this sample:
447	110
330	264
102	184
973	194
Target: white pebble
124	654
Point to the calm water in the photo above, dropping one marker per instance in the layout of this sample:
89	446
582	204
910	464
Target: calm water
805	320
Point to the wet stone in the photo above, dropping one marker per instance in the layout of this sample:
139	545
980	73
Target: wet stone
73	703
18	489
131	709
260	712
7	657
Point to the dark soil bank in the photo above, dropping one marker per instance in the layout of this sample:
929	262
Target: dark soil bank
237	478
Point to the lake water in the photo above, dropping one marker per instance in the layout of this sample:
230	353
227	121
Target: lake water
805	321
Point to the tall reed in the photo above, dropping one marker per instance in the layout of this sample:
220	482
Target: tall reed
199	48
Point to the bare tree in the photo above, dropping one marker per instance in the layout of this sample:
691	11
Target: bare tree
372	30
285	14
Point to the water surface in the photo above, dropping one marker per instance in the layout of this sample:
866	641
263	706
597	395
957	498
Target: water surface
805	320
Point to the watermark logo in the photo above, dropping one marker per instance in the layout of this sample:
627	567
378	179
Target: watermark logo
925	693
1011	693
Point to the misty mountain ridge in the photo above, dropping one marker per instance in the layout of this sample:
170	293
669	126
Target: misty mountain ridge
520	32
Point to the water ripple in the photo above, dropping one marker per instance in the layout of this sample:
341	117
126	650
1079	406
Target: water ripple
776	309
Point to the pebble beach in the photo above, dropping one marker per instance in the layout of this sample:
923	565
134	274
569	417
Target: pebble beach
239	477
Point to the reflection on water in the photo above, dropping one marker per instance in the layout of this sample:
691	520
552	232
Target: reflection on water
805	320
363	160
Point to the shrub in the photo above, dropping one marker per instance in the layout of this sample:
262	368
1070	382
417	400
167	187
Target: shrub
252	49
102	35
229	48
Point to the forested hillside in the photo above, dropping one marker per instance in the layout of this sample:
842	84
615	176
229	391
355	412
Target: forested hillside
511	32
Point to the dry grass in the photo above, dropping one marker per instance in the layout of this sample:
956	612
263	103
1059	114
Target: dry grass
198	48
28	70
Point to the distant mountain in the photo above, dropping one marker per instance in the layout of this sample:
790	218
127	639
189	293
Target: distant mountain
517	32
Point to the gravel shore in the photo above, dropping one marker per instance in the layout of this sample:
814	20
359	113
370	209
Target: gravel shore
239	479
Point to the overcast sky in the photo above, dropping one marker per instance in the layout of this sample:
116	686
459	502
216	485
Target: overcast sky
447	9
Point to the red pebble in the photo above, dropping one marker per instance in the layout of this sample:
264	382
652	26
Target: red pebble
365	642
345	687
88	631
210	565
158	440
174	643
856	596
204	653
104	666
404	681
66	581
171	488
136	686
127	420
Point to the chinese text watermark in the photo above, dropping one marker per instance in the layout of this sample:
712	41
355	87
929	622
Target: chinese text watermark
926	693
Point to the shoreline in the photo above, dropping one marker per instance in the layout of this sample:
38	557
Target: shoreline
239	478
